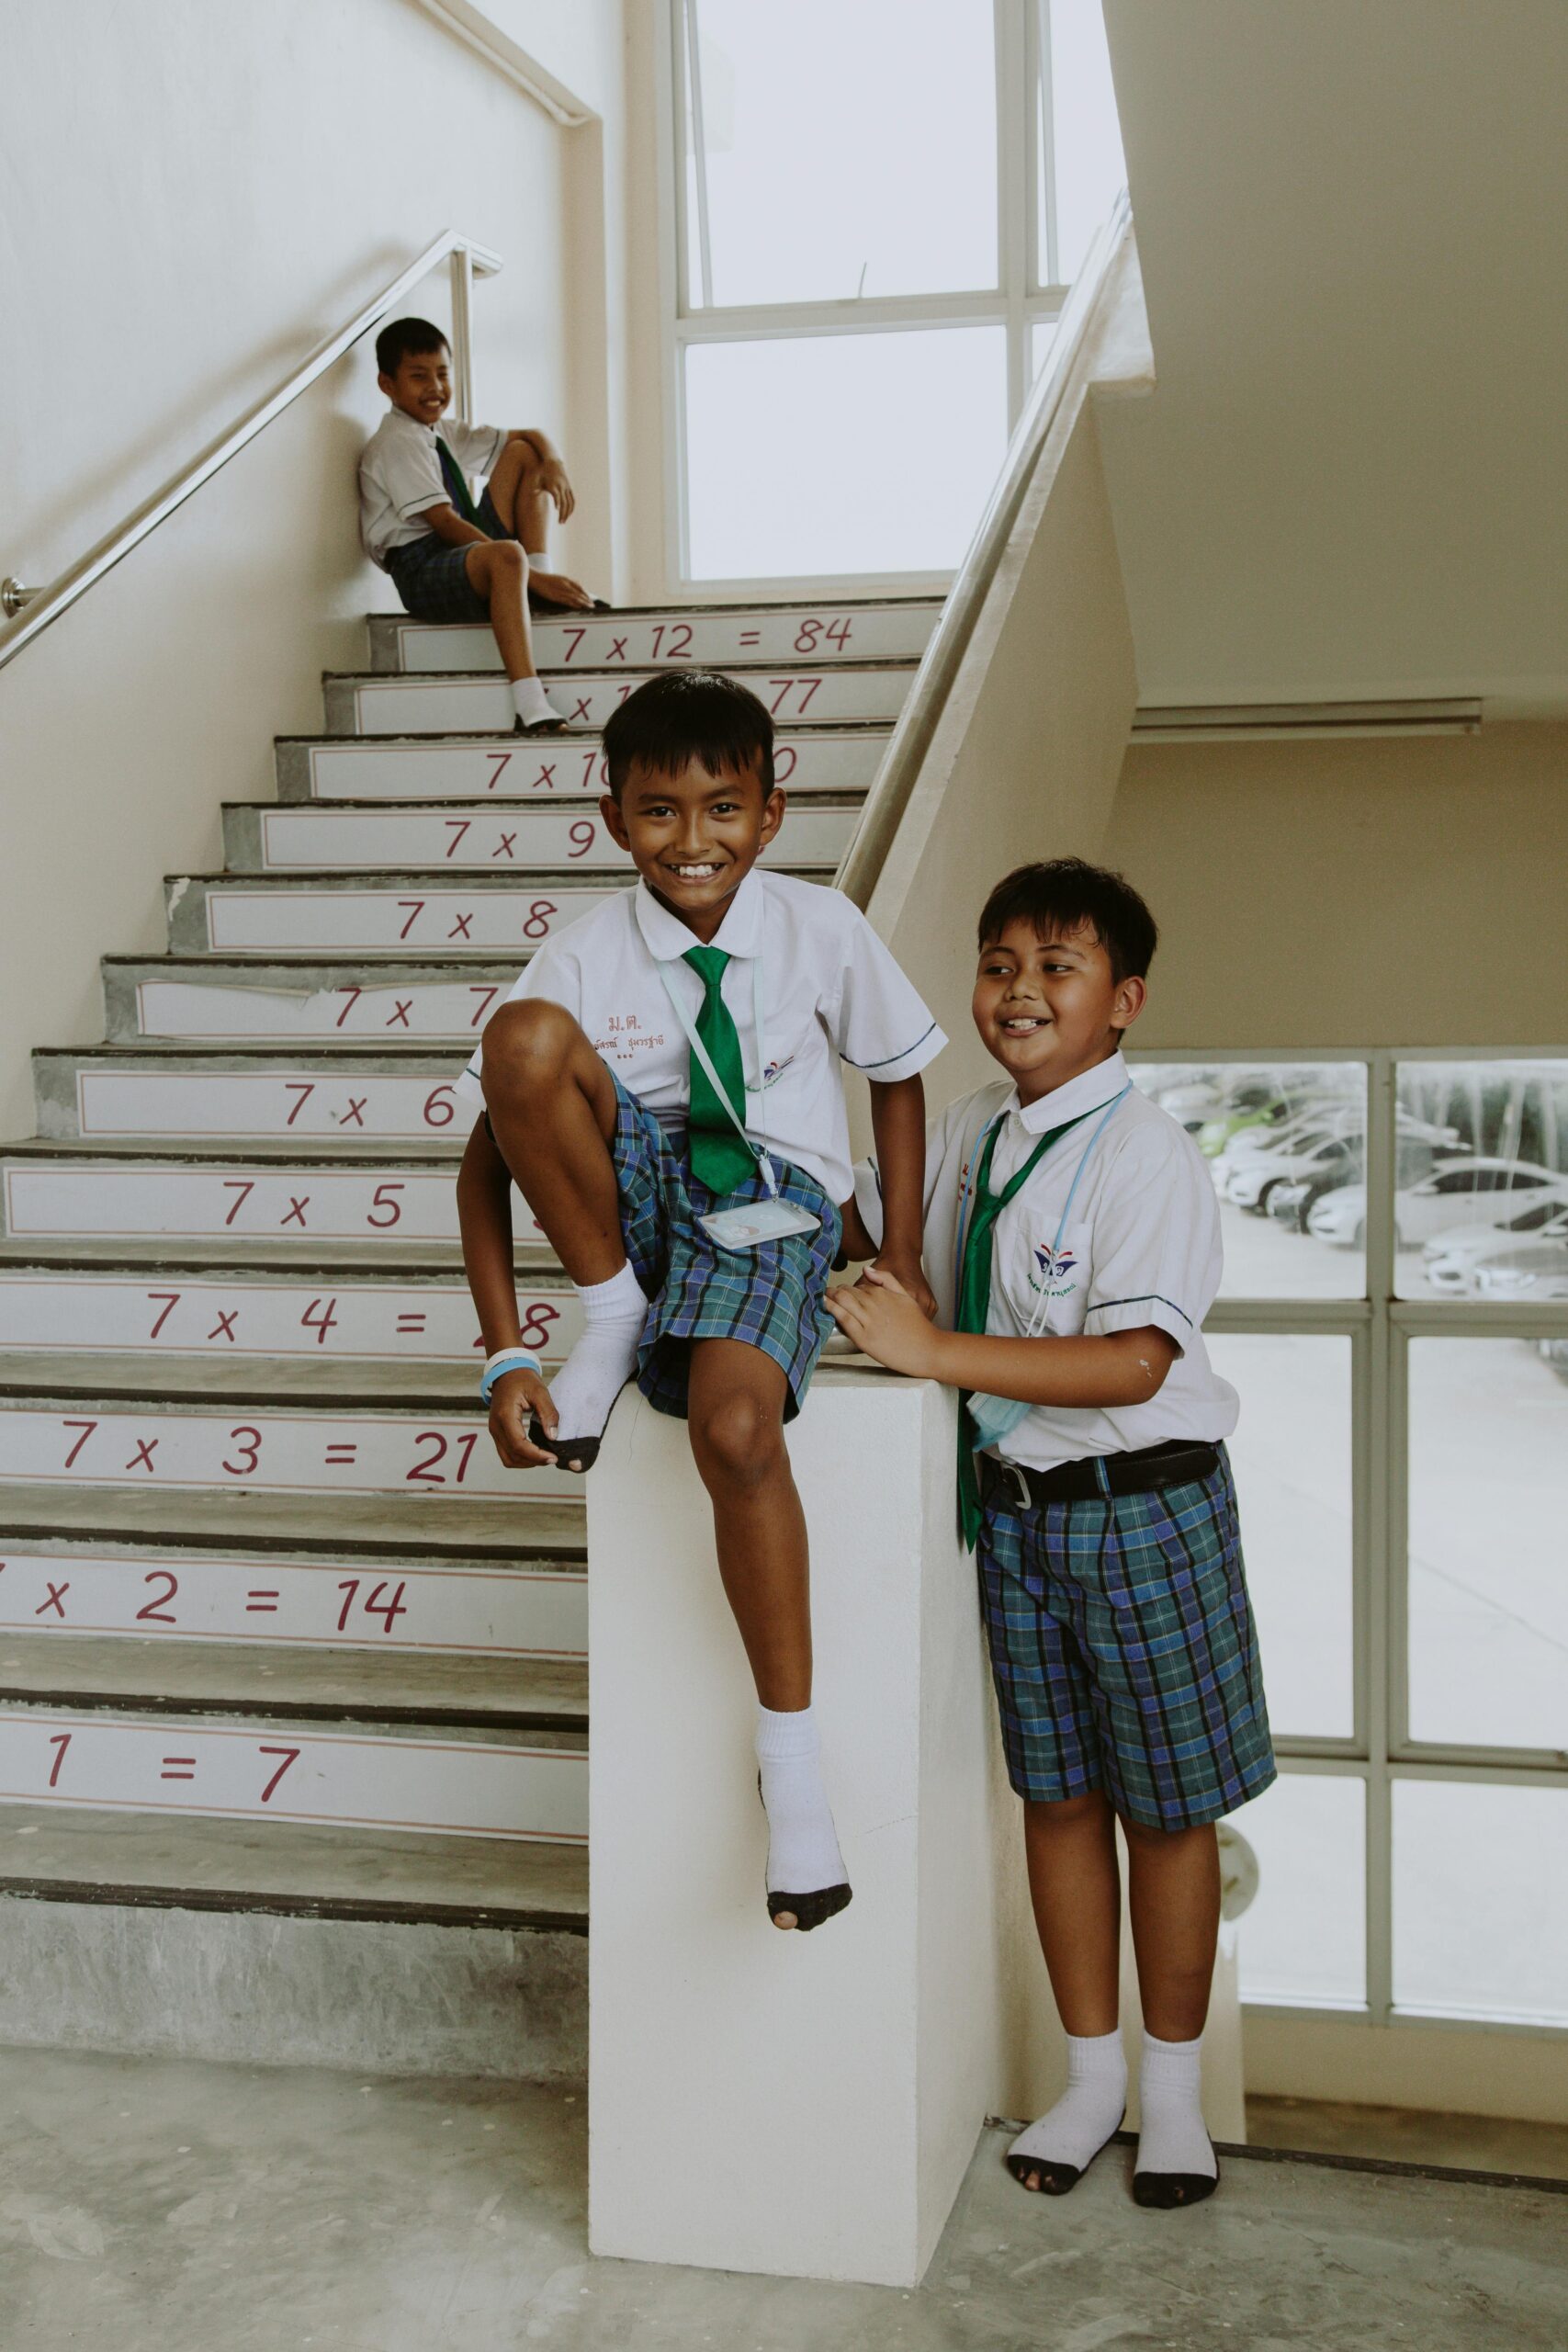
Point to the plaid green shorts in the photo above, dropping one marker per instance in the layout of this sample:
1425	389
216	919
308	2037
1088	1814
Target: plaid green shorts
1123	1651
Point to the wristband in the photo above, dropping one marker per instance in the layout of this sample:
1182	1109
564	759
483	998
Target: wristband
506	1360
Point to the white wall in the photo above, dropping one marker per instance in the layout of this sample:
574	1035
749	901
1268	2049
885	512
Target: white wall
194	196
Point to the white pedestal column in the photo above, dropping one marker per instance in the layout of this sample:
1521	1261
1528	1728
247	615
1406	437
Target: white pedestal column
761	2102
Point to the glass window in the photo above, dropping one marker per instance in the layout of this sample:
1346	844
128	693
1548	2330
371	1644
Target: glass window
1041	334
1286	1144
1481	1900
1292	1456
1081	166
1302	1939
1498	1135
1488	1541
848	151
891	486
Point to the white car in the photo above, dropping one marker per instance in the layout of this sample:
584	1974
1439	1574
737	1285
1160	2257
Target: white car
1252	1180
1471	1190
1455	1255
1291	1135
1534	1270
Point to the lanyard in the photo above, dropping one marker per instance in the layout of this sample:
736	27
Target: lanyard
972	1174
758	1151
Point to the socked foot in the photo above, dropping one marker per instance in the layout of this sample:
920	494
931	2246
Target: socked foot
1054	2154
806	1882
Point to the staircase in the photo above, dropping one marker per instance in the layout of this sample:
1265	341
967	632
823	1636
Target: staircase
279	1635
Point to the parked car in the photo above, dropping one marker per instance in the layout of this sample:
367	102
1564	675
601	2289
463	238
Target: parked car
1254	1181
1532	1269
1469	1189
1292	1203
1290	1135
1456	1256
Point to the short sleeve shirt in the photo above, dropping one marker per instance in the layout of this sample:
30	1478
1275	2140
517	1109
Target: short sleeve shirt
830	993
1138	1245
399	475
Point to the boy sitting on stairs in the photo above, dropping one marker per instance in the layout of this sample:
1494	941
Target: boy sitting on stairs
663	1085
449	559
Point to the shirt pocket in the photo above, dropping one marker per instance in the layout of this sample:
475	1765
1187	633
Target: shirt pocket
1045	1275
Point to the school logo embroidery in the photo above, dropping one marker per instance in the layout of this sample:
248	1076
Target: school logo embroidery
773	1070
1058	1269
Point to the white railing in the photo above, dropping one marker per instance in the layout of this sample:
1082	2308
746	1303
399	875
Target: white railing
895	780
30	611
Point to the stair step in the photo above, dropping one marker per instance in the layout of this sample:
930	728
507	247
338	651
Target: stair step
272	1193
538	837
205	999
713	634
266	1425
488	1781
798	693
507	767
220	1091
289	1869
325	1316
376	1530
485	915
87	1667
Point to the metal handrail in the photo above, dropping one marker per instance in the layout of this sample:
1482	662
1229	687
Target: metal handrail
30	610
917	724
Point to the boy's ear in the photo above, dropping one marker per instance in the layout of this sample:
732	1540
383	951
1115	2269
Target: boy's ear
1132	995
385	383
615	823
773	809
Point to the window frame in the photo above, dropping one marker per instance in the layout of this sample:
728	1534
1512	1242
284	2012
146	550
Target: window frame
1381	1327
1017	301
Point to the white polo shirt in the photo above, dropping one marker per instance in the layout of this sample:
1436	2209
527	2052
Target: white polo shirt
830	992
399	475
1141	1245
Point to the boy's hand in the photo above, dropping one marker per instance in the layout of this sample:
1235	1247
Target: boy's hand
909	1275
553	484
557	589
515	1399
885	1322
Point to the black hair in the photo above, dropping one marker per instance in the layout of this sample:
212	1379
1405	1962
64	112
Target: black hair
1064	895
404	339
686	715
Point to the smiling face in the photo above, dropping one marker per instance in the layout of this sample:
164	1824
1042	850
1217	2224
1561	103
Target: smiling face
422	387
1048	1008
693	837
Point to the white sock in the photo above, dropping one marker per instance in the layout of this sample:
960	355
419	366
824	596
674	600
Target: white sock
604	1357
531	703
802	1848
1172	2134
1070	2134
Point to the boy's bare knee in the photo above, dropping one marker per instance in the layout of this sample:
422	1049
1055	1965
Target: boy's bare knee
736	1439
1065	1812
528	1046
508	557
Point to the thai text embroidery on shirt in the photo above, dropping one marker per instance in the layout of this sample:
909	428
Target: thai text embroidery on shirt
1058	1272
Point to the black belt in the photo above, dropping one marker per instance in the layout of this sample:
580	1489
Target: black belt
1175	1463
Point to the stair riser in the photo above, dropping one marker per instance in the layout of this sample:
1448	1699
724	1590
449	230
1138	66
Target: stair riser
515	840
258	1449
453	706
391	1207
800	633
318	1321
306	1101
496	1612
214	1010
482	917
507	768
292	1774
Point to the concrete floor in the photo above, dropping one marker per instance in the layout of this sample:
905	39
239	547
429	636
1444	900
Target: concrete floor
1408	2135
153	2206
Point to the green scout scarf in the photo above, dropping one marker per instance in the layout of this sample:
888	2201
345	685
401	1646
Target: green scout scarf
720	1160
457	487
974	1295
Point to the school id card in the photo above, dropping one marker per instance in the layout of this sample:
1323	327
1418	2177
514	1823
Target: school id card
758	1221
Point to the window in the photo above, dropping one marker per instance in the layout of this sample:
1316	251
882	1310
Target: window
879	212
1395	1316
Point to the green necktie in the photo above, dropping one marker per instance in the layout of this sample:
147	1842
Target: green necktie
720	1160
457	487
975	1296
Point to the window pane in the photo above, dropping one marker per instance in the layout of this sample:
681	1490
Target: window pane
1489	1219
849	150
1287	1143
1304	1938
1085	141
1292	1454
1489	1541
876	409
1041	334
1481	1900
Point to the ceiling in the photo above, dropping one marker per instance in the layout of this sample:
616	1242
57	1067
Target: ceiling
1353	221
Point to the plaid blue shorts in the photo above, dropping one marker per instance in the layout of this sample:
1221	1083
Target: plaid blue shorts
433	579
771	1297
1123	1651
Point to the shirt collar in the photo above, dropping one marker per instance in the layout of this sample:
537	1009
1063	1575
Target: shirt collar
666	937
1081	1094
414	424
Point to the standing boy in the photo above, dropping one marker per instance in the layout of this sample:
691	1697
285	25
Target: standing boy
665	1073
449	559
1092	1469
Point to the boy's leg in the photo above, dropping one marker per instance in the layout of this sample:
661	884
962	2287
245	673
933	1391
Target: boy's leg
735	1397
524	510
497	570
1075	1886
1173	1896
552	1108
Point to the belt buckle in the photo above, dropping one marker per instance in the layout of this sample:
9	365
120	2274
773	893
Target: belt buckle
1016	1478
